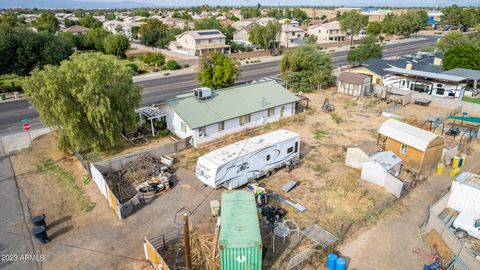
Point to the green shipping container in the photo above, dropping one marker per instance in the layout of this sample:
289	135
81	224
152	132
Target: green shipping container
240	239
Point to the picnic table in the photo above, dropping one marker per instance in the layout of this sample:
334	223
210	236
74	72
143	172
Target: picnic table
422	101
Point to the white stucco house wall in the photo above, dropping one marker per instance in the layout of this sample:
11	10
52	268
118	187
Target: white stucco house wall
228	111
197	43
327	32
383	169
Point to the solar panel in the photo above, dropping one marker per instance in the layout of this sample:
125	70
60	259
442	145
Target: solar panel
206	33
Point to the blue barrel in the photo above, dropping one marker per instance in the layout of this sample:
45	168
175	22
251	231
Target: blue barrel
331	261
341	264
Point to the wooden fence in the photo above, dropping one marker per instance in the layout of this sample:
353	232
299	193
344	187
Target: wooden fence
153	246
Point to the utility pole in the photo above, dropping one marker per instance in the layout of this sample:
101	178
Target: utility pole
186	242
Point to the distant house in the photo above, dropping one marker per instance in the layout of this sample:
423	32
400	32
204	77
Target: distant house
327	32
207	117
419	149
76	29
354	84
291	36
243	23
197	43
263	21
241	36
290	22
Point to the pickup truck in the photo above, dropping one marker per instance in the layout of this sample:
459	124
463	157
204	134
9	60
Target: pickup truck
467	224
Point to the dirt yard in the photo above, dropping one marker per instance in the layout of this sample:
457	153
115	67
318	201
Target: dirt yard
334	195
84	232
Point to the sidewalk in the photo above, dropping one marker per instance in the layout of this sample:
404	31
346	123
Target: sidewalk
16	142
15	239
389	244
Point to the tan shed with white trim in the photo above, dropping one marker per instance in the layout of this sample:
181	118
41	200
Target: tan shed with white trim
419	149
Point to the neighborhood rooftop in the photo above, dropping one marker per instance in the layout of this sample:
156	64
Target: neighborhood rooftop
231	102
424	74
204	34
407	134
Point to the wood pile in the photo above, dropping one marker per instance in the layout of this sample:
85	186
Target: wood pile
202	250
138	170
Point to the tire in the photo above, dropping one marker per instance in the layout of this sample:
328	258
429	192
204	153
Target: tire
461	234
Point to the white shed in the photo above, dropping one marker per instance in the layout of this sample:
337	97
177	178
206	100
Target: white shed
383	169
465	193
358	153
355	84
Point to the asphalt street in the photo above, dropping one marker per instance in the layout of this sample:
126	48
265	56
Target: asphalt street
158	89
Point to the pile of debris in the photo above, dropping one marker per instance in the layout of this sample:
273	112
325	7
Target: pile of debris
145	174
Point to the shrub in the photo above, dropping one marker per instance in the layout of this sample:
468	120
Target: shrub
154	59
172	65
132	67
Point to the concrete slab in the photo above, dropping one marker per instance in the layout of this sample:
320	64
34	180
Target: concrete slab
16	142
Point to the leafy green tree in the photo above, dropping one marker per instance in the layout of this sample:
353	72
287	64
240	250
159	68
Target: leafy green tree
265	36
116	45
78	40
90	22
207	23
299	15
217	71
374	29
369	48
248	12
70	23
143	12
172	65
96	37
351	22
275	13
152	31
89	100
110	16
11	18
452	39
306	67
462	56
47	22
389	24
154	59
23	50
452	16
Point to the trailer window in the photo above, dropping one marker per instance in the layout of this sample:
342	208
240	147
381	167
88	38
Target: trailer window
289	150
221	126
271	112
268	157
244	119
296	147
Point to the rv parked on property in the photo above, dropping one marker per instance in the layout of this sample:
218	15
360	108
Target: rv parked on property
235	165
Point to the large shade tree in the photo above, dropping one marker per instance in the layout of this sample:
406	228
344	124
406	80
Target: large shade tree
369	48
306	67
462	56
89	100
352	22
217	71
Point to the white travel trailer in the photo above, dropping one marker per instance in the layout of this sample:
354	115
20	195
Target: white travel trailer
235	165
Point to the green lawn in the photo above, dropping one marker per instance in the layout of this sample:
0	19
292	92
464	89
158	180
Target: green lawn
473	100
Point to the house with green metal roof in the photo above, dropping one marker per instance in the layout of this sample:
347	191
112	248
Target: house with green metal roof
206	115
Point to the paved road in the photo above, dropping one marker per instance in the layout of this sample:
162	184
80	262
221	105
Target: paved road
158	89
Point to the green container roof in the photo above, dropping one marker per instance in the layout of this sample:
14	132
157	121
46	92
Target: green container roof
230	103
239	226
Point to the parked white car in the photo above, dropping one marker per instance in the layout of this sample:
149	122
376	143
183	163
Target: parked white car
467	224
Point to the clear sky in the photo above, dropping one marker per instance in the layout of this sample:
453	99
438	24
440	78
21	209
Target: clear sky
306	2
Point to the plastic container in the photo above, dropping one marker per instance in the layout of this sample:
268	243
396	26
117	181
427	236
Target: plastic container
341	264
456	162
215	207
455	172
40	233
440	168
331	261
39	220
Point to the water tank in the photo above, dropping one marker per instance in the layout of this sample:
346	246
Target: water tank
341	264
39	220
40	233
331	261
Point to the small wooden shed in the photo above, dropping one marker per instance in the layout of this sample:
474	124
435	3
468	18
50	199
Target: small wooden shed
355	84
419	149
